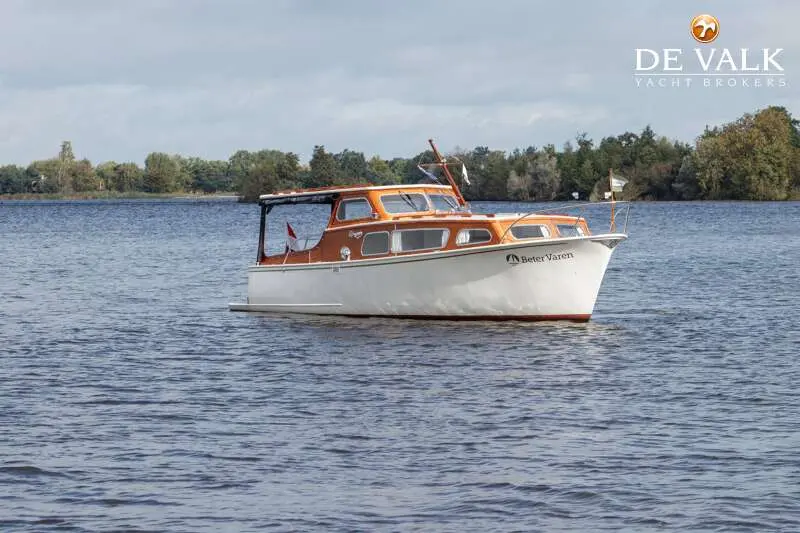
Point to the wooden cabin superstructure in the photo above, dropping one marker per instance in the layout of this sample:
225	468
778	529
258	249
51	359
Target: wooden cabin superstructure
364	222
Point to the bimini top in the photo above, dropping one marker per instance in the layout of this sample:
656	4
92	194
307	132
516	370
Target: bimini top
326	195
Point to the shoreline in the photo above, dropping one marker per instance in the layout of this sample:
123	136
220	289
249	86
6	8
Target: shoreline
101	195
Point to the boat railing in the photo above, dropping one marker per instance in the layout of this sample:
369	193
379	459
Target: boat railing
617	208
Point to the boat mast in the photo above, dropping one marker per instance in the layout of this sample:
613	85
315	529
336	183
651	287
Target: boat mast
441	161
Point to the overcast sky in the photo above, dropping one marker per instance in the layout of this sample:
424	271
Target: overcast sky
121	79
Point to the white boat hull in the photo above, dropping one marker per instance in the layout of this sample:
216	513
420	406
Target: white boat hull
544	280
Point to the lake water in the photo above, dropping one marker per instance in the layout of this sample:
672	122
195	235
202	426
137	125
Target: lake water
131	399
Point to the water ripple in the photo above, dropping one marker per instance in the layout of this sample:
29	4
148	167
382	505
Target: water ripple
132	400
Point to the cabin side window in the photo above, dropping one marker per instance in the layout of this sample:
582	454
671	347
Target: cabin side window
411	240
376	243
570	230
353	209
473	236
530	231
404	203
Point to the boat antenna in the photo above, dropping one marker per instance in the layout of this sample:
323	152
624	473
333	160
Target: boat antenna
443	163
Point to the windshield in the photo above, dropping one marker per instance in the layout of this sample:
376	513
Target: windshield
444	202
404	203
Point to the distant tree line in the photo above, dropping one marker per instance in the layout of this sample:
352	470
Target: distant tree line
757	157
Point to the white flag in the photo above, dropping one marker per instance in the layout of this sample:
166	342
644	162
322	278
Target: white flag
617	183
464	173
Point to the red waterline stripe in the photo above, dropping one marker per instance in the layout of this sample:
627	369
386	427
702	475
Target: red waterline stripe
493	318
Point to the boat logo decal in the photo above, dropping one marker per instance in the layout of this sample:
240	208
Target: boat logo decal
355	234
514	259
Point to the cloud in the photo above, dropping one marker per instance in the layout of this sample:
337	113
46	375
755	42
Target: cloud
121	79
